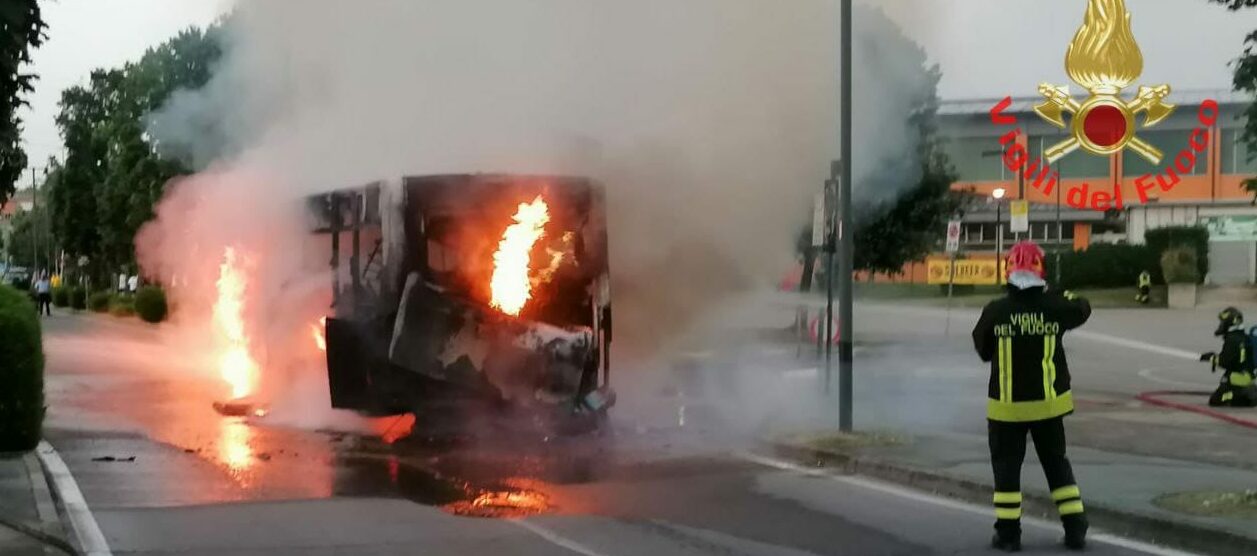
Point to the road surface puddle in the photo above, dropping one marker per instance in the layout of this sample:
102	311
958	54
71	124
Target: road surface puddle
370	475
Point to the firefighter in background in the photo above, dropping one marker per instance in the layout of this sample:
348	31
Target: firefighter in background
1029	393
1145	287
1236	359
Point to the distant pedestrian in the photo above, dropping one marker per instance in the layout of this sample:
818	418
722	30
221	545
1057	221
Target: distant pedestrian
133	283
43	295
1029	392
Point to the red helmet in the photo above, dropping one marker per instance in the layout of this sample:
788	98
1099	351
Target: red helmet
1025	257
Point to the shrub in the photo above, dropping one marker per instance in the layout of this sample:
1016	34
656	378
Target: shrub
61	296
21	373
150	304
1101	266
1179	265
78	298
1195	237
98	302
122	305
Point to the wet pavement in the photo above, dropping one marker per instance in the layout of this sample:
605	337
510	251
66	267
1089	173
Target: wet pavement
166	474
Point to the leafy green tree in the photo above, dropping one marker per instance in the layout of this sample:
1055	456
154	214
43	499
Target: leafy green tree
22	240
1245	79
907	228
21	30
113	175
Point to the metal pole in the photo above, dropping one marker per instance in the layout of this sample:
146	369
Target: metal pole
999	236
34	226
951	283
846	245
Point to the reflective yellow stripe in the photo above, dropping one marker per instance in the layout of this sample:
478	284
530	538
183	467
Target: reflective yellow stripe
1052	364
1049	367
1007	497
1067	508
1065	493
1007	392
1007	513
1003	369
1241	380
1018	412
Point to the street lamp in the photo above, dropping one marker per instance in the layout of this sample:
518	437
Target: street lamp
998	195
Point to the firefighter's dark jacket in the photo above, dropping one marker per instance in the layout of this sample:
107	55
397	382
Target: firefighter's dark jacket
1020	335
1235	358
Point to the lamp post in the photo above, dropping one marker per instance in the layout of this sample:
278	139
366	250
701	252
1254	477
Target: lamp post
998	195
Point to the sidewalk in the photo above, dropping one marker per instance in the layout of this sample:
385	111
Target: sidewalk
28	517
1119	489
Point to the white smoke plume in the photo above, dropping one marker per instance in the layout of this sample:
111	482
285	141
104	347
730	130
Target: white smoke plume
711	123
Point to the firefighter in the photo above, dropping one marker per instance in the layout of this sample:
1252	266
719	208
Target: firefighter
1145	286
1236	359
1028	393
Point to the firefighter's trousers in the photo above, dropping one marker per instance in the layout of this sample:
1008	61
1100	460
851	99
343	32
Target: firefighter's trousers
1008	451
1235	392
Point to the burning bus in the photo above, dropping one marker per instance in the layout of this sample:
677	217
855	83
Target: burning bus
469	299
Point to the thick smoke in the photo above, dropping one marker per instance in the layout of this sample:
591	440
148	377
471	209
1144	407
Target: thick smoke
711	122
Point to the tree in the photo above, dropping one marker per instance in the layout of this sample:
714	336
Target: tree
22	240
21	30
901	93
113	176
1245	79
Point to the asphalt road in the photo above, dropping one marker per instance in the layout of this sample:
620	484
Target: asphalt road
164	474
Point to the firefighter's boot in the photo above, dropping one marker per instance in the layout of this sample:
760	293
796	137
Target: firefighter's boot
1006	543
1075	531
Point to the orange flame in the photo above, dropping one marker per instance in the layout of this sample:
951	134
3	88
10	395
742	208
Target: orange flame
235	364
510	283
317	331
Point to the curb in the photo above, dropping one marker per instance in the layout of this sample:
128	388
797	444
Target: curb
49	531
1184	536
86	532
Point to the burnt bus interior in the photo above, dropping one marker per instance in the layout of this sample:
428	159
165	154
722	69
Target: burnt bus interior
413	328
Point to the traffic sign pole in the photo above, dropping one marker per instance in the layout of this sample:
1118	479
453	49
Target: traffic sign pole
953	245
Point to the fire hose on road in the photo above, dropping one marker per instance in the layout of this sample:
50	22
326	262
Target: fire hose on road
1154	398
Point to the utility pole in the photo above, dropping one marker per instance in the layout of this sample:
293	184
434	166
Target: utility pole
846	244
34	225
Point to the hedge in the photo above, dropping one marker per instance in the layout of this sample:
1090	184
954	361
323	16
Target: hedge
99	302
61	297
1102	266
21	373
150	304
122	305
1195	237
78	298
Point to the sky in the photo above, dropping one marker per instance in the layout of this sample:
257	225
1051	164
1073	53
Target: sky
1186	43
88	34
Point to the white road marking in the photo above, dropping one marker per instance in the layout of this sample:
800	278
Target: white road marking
555	538
1149	374
921	497
1135	344
796	374
90	539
